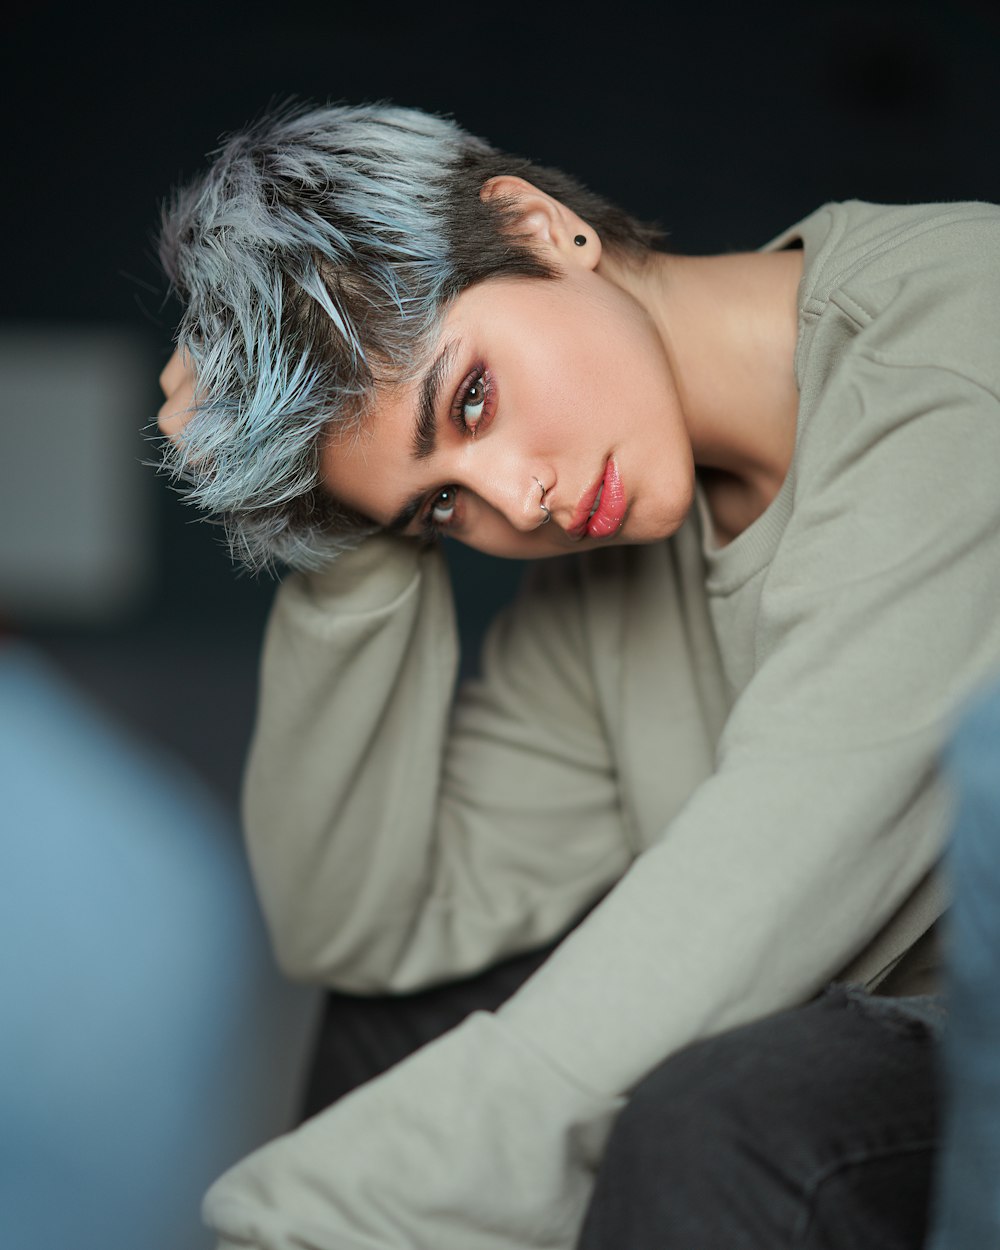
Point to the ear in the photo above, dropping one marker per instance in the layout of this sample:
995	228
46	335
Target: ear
545	223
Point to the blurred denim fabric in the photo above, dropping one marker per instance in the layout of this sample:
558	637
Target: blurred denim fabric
968	1198
147	1039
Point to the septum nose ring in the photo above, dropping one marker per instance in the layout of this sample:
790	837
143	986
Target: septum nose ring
541	504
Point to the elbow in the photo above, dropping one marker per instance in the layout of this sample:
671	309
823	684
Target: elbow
299	965
364	967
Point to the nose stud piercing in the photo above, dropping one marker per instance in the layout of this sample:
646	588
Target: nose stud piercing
548	514
580	239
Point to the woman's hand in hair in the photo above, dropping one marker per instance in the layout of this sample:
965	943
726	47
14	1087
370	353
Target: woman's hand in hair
177	383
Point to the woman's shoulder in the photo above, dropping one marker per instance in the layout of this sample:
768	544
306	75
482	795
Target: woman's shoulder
852	244
919	282
841	235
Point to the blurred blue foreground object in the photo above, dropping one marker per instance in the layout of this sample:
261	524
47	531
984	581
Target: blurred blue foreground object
147	1041
968	1196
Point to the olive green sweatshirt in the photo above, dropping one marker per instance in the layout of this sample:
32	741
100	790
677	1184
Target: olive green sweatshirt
731	752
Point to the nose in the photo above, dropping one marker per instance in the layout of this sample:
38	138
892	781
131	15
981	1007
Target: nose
517	497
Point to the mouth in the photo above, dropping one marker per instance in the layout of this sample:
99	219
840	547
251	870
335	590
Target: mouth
601	511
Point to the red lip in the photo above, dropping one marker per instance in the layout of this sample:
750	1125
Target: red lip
582	515
610	514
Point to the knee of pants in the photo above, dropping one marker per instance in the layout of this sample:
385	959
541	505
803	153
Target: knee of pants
739	1128
695	1113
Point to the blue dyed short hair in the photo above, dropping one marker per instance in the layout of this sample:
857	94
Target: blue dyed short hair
314	259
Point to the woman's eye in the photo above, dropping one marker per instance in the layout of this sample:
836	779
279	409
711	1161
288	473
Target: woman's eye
442	507
474	402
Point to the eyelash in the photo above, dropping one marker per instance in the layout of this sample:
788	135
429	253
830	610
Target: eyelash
477	376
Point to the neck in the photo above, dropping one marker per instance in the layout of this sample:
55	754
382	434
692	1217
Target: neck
728	326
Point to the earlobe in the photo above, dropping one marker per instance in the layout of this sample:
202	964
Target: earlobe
545	221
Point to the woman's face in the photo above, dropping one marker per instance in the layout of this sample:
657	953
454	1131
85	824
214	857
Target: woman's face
560	384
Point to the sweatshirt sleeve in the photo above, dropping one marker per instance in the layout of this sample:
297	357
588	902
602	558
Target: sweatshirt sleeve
399	836
881	611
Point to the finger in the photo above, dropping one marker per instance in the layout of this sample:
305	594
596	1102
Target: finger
177	384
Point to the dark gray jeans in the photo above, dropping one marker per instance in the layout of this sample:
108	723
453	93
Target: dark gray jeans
814	1129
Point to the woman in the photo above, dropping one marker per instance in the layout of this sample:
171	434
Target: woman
712	731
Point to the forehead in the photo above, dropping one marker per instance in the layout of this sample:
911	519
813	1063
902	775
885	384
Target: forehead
386	423
365	463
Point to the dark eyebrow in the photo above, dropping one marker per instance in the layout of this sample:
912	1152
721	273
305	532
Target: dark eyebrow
404	517
425	431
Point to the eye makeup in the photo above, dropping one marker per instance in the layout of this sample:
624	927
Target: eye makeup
475	401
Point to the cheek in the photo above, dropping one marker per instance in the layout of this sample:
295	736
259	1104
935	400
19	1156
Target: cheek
483	529
514	546
614	371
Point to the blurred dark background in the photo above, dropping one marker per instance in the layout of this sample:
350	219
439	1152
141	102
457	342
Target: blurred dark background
724	123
